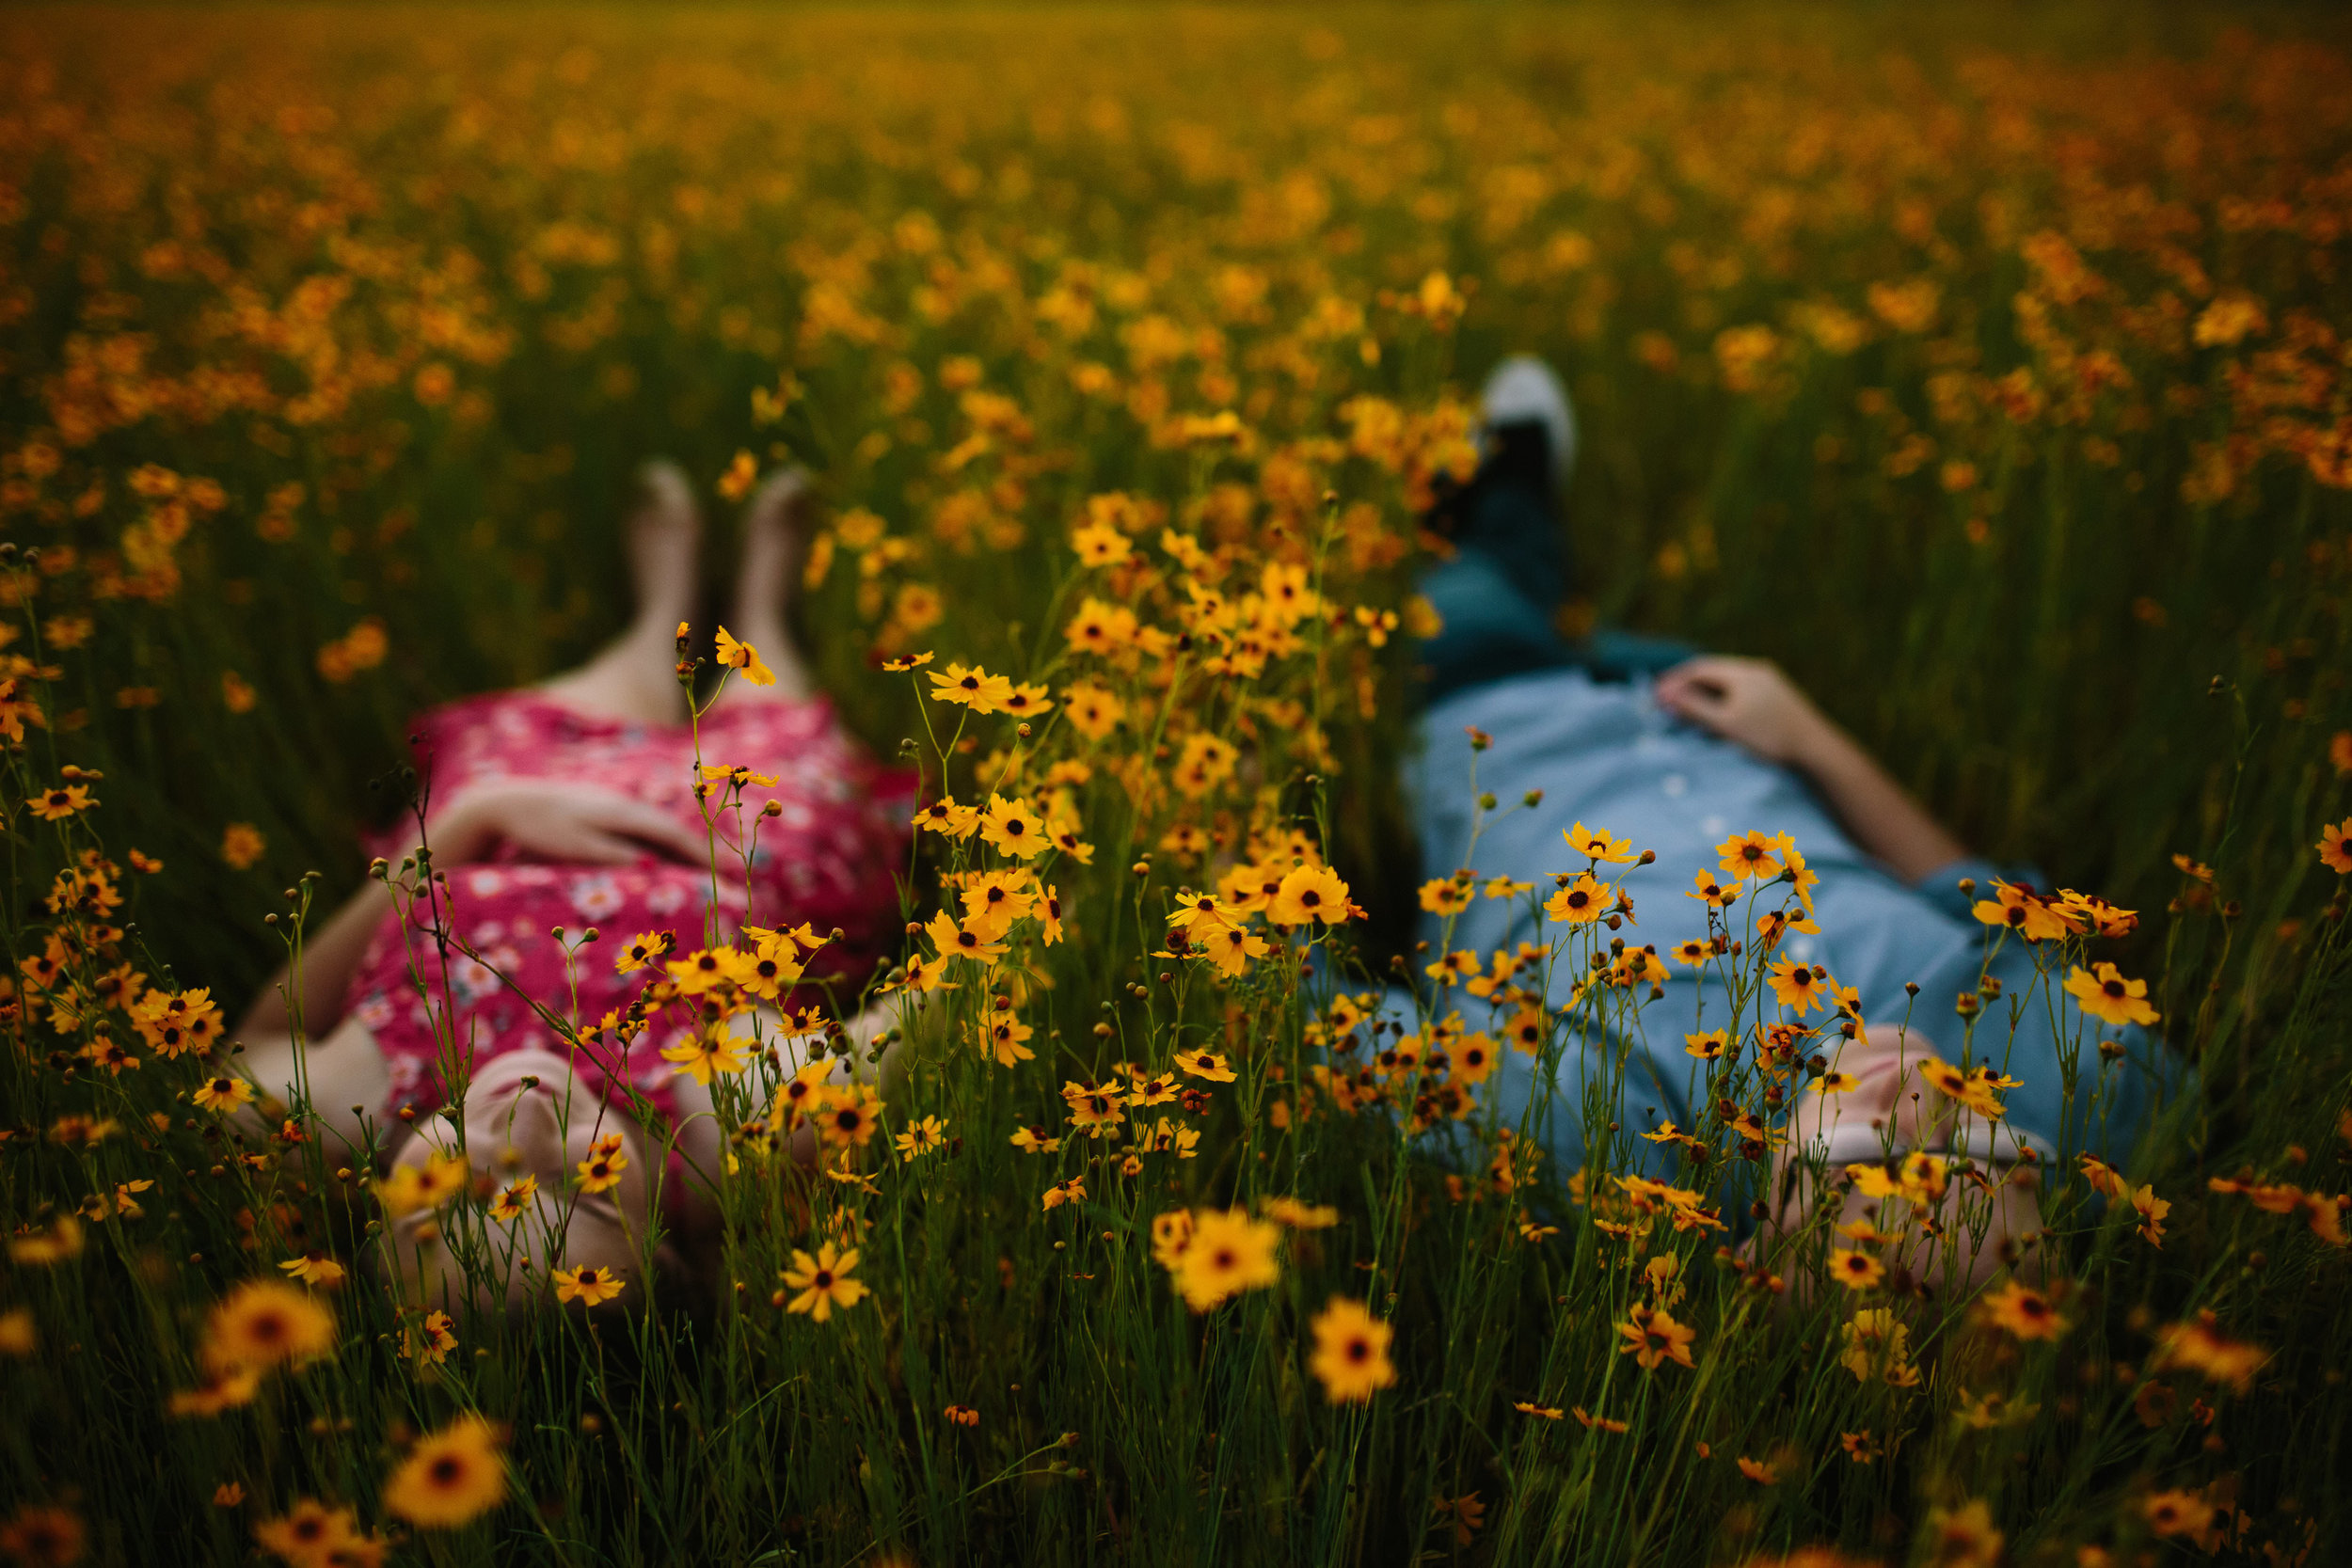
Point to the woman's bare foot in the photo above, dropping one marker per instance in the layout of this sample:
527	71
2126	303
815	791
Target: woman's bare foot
775	522
635	676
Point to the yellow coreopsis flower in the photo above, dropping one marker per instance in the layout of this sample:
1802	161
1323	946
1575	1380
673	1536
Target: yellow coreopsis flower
1092	710
515	1200
430	1342
1301	1215
817	1285
2028	915
1351	1354
1204	1064
921	1138
2023	1310
1581	902
223	1094
589	1285
975	687
847	1114
601	1171
1856	1271
1309	893
1229	1253
1652	1336
1014	828
1228	949
943	816
55	805
314	1268
2108	997
1100	545
1099	627
967	940
216	1392
1597	844
450	1477
1445	895
1800	988
743	657
310	1532
1026	702
263	1324
1749	856
993	900
2335	847
709	1052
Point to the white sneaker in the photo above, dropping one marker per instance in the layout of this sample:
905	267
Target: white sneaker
1523	388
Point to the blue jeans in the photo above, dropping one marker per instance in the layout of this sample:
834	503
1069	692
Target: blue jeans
1496	598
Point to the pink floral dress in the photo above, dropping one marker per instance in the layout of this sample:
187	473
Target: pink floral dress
827	859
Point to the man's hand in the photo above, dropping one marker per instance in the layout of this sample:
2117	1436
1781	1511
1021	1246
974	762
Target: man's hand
1748	702
1751	704
561	822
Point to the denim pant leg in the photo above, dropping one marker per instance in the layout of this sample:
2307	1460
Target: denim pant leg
1496	595
1492	629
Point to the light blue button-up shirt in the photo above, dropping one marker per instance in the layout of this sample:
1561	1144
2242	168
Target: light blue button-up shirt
1608	755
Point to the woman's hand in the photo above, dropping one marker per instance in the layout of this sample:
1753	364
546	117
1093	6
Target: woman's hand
577	824
1748	702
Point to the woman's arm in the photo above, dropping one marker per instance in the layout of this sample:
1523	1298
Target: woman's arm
570	824
1750	701
331	959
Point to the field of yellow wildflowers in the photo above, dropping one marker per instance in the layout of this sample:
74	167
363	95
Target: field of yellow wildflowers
1996	381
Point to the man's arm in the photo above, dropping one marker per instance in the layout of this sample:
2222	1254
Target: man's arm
1750	701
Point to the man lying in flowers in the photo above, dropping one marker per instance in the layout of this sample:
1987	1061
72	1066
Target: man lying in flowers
1909	1000
577	873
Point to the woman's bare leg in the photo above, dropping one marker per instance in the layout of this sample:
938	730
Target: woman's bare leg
635	677
775	524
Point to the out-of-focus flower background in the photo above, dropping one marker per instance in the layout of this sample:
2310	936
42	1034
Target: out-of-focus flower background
1993	383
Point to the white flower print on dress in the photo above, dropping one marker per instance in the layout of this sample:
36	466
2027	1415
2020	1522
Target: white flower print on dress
471	979
596	898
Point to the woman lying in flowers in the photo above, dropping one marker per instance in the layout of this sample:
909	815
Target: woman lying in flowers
574	856
1886	1028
